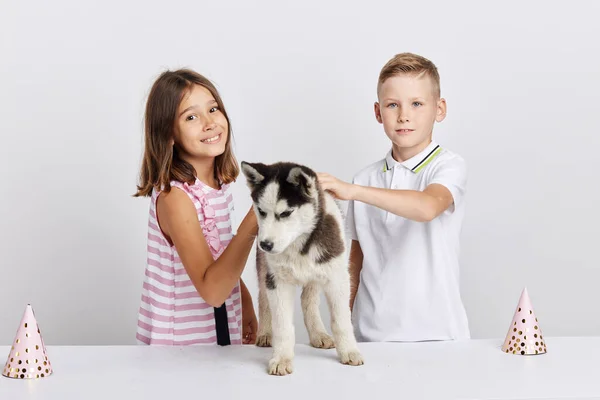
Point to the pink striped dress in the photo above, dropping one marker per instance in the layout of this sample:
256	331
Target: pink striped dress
171	311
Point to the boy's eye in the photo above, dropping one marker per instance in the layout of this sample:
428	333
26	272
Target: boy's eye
392	105
286	214
417	104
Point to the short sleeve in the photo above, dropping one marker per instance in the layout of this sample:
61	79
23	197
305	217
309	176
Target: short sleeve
350	225
452	174
350	220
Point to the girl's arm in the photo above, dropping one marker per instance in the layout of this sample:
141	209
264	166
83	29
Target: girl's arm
245	294
214	279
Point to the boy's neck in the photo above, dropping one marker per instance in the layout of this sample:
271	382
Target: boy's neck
401	154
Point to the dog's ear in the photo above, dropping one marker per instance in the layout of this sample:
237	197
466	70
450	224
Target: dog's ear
305	182
253	177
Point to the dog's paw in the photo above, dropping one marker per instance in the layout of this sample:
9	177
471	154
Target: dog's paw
263	340
280	366
352	358
322	341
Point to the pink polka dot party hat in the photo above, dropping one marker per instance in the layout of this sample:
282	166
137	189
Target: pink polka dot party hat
27	358
524	335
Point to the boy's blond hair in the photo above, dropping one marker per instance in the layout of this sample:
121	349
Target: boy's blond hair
412	64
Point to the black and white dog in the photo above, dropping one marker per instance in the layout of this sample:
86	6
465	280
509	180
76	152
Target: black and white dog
301	242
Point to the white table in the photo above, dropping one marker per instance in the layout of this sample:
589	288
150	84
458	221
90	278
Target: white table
475	369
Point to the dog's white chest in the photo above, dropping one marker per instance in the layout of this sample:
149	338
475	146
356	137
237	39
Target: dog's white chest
297	270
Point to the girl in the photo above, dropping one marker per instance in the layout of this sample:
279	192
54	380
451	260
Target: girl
192	291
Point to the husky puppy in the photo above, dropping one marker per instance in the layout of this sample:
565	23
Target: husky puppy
301	242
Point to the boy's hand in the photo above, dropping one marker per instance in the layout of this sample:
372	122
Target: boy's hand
340	189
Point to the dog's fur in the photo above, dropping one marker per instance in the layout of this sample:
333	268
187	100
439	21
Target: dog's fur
303	248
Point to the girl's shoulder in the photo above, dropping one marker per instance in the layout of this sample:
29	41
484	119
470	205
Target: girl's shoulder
187	188
201	194
163	196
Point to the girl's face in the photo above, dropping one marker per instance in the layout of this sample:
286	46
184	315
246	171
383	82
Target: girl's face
200	126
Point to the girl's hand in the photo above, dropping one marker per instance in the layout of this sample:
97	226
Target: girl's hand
249	325
252	217
249	322
249	226
340	189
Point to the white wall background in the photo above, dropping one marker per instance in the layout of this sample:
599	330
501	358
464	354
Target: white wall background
520	78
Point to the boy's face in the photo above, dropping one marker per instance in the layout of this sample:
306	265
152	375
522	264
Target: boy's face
408	107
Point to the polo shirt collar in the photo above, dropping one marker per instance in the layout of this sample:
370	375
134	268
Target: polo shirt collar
415	163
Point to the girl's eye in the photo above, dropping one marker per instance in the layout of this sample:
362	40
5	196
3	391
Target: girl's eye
214	109
190	117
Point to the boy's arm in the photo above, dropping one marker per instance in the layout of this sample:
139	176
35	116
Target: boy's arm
356	254
356	261
446	187
412	204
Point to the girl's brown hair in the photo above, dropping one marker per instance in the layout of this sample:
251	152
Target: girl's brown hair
161	163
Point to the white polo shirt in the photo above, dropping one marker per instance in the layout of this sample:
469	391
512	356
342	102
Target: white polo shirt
409	283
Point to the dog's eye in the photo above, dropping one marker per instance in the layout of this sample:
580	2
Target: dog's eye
286	214
262	213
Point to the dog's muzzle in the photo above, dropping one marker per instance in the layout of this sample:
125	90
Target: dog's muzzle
266	245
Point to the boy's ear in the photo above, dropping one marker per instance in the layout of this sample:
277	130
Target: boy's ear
441	110
306	183
378	112
253	177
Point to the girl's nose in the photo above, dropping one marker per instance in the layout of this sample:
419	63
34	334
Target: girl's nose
209	124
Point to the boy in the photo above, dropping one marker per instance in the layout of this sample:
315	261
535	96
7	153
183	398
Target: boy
404	216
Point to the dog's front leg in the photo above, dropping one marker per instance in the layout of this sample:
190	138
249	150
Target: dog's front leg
281	304
337	292
312	317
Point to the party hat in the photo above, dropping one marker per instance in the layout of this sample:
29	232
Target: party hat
524	335
27	358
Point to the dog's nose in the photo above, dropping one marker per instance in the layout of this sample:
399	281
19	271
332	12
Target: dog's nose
266	245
